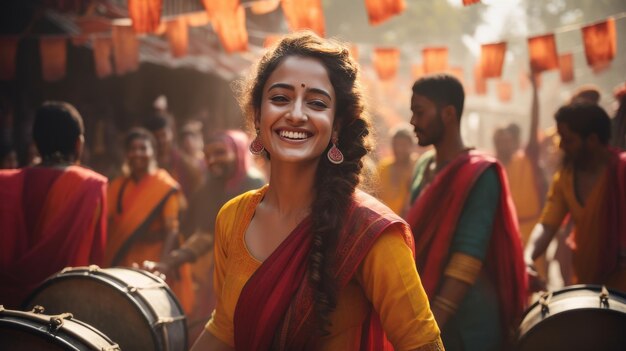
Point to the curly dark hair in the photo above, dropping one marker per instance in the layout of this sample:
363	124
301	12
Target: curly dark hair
334	184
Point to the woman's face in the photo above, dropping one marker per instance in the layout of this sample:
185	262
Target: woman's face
297	111
139	155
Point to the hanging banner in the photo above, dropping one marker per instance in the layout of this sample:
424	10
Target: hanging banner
492	59
600	42
102	50
435	59
8	54
566	67
304	14
145	14
125	49
378	11
386	62
542	52
53	53
178	36
231	29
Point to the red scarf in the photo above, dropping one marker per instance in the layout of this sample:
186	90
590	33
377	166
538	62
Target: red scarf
38	241
433	219
615	210
275	308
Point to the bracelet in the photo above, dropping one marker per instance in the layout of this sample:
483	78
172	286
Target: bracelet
445	304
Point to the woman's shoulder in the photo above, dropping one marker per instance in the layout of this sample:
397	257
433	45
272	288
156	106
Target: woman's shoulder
240	203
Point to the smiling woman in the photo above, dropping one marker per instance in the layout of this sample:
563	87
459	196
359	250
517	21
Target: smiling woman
309	261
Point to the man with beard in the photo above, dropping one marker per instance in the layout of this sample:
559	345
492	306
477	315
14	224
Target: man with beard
230	173
591	187
467	243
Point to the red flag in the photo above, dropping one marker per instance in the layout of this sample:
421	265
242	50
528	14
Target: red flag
379	11
8	53
102	49
304	14
505	91
178	36
600	41
435	59
53	58
231	29
566	66
542	52
125	49
261	7
386	62
470	2
492	59
145	14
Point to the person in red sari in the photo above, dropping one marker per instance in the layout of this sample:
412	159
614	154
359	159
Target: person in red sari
52	215
309	262
467	242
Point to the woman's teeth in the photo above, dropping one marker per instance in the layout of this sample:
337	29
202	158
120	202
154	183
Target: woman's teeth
293	135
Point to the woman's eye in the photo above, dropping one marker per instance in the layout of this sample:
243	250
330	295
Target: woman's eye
278	98
318	104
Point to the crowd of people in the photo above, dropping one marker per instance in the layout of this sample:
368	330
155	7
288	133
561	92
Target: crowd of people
443	253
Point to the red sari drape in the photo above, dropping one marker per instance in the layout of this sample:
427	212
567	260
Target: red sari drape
49	219
275	308
434	230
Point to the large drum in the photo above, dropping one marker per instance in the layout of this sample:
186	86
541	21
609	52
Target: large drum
131	306
37	331
578	317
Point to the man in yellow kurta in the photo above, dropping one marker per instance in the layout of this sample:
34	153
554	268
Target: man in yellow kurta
395	173
591	187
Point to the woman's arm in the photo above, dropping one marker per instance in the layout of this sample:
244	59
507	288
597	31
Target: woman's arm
208	342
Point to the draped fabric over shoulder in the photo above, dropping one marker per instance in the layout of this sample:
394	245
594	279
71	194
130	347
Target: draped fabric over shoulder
49	219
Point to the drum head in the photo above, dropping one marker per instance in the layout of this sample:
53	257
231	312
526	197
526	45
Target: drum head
576	319
122	303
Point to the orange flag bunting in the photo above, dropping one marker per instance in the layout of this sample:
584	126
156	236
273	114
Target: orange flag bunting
146	15
304	14
378	11
197	19
125	49
542	52
178	36
600	41
435	60
386	62
480	84
417	71
566	66
492	59
231	29
470	2
102	49
53	53
261	7
354	51
8	52
505	91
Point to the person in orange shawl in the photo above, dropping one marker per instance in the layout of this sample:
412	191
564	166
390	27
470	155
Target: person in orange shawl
591	187
309	262
524	174
52	215
395	173
143	214
467	243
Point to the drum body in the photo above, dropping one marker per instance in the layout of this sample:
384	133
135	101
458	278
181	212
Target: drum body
36	331
131	306
579	317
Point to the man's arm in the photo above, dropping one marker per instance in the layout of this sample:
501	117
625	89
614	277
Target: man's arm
540	238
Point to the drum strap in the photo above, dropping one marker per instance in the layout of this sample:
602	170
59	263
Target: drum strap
142	229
